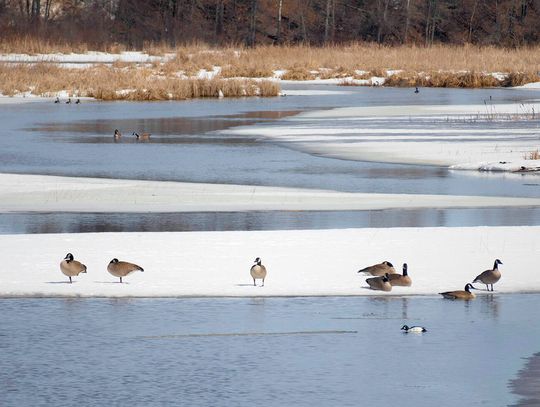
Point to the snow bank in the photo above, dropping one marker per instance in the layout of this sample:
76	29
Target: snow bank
435	135
300	263
85	58
50	194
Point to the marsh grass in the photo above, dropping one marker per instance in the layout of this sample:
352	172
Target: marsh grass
436	66
125	83
532	155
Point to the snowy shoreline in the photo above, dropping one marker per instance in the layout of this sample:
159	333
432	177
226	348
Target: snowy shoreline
300	263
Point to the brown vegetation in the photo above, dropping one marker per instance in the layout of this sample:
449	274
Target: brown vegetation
131	83
533	155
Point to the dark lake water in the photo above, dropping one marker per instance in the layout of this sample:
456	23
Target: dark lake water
334	351
38	222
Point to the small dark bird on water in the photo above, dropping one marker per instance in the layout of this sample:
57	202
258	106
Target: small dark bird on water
78	102
68	101
57	100
416	90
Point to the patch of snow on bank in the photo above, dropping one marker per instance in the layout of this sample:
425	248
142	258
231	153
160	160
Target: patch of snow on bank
433	135
65	194
299	263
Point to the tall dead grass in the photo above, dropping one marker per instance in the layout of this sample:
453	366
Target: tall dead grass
131	83
439	65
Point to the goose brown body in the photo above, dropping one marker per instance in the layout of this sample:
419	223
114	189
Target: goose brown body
71	268
460	294
379	269
258	271
122	268
379	283
401	280
142	137
489	276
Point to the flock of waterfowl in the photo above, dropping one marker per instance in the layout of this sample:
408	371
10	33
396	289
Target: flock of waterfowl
385	277
72	268
67	102
140	137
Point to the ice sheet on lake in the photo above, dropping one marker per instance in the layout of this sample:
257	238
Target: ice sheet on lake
433	135
299	263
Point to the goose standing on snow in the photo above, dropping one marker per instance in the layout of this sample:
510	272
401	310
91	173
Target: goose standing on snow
122	268
459	294
258	271
379	283
400	280
414	329
71	267
489	276
379	269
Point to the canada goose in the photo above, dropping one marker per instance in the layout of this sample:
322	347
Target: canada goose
379	283
144	136
122	268
57	100
68	101
258	271
416	90
70	267
400	280
379	269
117	134
78	102
460	295
414	329
490	276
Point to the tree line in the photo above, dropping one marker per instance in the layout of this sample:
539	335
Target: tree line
510	23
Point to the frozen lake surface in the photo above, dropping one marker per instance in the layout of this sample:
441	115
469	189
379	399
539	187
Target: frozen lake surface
334	351
194	141
198	141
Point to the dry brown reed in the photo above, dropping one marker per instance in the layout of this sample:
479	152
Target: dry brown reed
438	66
128	83
533	155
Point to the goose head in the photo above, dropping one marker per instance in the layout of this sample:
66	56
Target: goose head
69	257
258	261
405	269
113	261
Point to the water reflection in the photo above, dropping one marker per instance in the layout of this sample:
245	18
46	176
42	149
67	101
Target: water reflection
101	131
527	384
37	222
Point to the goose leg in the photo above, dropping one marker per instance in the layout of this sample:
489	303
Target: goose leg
263	283
254	282
120	279
70	280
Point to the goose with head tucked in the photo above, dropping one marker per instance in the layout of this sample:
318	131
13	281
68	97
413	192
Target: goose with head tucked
117	134
379	269
379	283
402	280
71	267
258	271
489	276
460	294
122	268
